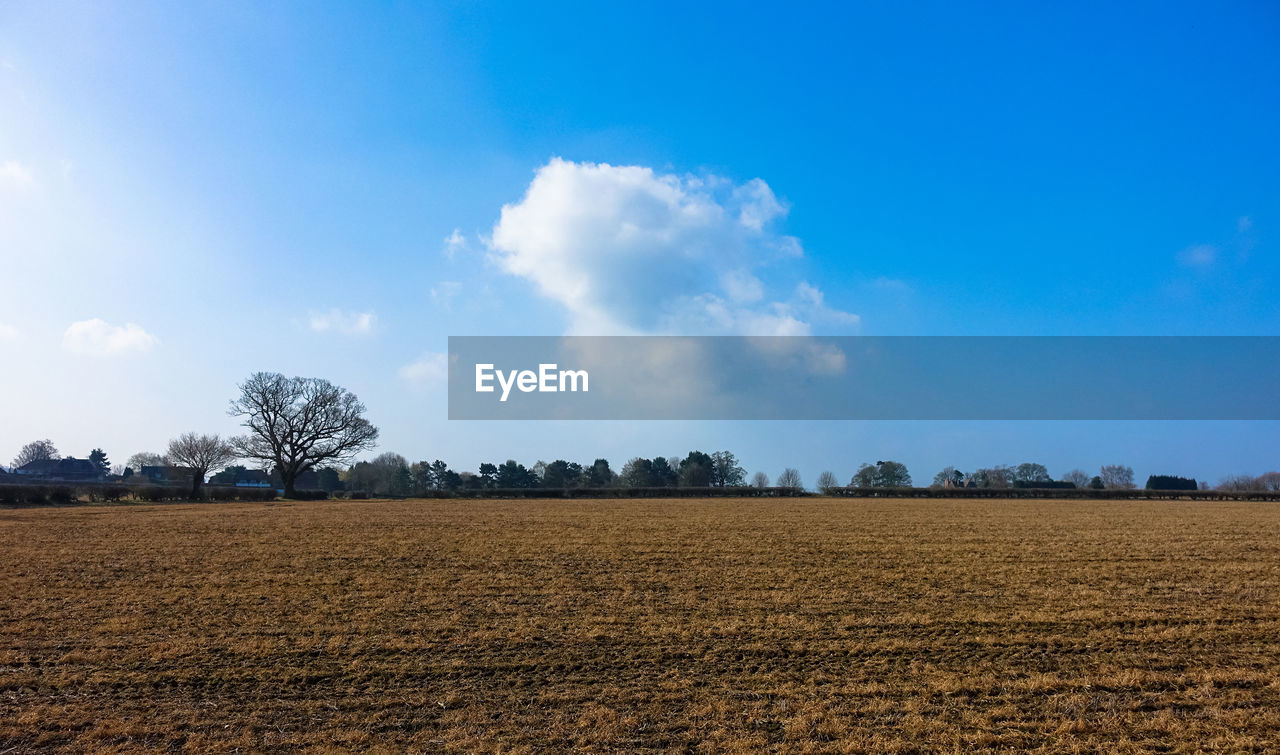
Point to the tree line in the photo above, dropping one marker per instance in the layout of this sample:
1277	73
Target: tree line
301	426
392	474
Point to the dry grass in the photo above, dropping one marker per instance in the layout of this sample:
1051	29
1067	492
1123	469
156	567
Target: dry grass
670	625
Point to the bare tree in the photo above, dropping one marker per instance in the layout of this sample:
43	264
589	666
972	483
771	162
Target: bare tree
299	423
200	453
36	450
1269	481
760	480
790	478
993	477
1077	476
1240	483
1117	476
827	483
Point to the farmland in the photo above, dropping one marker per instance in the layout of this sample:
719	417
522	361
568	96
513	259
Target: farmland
718	625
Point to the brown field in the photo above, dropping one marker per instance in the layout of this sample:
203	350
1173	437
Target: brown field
792	625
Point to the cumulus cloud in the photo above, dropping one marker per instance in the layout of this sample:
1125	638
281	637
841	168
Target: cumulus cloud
432	367
626	249
741	285
757	204
340	321
99	338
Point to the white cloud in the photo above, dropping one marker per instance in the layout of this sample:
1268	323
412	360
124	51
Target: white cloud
742	286
432	367
627	250
16	174
99	338
8	332
813	304
758	204
340	321
454	243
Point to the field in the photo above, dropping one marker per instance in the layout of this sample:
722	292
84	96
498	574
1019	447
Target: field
791	625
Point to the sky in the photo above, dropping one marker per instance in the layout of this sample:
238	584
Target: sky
193	192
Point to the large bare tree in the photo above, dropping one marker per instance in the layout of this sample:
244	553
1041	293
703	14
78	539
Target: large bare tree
1117	476
1078	476
200	453
299	423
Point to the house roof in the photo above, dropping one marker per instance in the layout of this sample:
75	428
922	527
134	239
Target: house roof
60	467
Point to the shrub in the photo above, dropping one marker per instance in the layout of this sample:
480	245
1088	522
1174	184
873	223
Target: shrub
157	493
221	492
1171	482
309	495
1045	484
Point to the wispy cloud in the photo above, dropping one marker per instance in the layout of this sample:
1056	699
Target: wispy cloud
1198	256
341	321
885	283
430	368
8	332
443	292
97	337
455	243
1222	253
14	173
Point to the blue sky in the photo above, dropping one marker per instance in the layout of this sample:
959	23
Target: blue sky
274	188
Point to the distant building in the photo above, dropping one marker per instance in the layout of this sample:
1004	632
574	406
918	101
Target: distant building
165	475
69	469
241	478
253	478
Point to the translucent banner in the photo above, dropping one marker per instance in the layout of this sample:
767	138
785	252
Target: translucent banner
864	377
